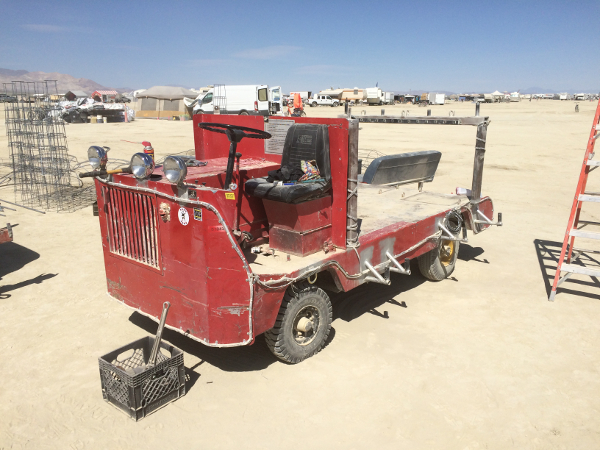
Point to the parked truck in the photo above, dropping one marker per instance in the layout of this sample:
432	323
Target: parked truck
238	254
256	100
387	98
323	100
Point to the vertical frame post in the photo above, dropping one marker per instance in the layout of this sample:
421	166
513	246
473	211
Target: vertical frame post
478	167
352	211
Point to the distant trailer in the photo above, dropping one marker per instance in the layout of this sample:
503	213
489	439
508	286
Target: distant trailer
372	96
387	98
515	97
436	99
304	95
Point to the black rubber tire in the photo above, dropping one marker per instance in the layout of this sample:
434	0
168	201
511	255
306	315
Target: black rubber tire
313	104
244	113
199	112
280	339
335	104
431	266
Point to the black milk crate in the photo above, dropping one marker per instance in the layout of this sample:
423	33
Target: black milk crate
139	394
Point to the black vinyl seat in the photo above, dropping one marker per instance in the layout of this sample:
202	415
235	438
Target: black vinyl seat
303	142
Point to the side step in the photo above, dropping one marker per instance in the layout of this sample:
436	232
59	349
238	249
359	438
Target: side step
584	234
572	268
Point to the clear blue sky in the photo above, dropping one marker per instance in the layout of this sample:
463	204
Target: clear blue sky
310	45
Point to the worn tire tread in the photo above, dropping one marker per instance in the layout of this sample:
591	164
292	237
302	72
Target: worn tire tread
432	269
274	337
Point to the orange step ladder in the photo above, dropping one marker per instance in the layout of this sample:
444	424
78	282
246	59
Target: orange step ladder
572	253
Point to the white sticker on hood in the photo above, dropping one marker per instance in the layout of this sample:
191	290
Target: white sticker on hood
184	217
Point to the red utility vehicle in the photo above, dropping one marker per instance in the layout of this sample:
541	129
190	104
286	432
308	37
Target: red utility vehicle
237	255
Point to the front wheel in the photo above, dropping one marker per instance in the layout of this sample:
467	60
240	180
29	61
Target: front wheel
335	104
302	325
313	104
439	263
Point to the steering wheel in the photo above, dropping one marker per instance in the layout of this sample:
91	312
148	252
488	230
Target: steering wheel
235	133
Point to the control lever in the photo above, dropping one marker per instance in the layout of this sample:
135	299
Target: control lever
159	332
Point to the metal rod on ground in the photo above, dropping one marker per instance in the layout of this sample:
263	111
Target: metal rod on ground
352	200
21	206
159	332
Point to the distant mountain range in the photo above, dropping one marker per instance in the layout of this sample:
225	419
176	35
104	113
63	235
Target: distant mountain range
69	83
65	82
531	90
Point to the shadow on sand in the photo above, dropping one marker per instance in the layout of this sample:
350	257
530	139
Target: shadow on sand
14	257
548	253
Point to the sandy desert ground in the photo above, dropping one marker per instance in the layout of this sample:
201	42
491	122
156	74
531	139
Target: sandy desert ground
479	361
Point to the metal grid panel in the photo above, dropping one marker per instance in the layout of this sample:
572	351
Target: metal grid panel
39	156
132	226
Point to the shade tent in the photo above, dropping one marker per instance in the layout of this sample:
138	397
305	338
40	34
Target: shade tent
72	95
167	93
163	101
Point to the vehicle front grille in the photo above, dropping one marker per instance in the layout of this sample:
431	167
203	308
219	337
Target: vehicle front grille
132	226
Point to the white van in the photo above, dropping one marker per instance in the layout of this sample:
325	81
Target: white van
257	100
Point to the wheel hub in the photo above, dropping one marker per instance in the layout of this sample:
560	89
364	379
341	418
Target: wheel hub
306	325
447	252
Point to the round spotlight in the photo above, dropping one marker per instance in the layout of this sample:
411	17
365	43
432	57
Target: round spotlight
174	169
97	156
142	165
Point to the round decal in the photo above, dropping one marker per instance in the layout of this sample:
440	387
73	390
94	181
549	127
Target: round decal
184	217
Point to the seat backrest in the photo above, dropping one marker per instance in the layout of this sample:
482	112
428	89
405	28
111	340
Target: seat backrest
403	168
307	142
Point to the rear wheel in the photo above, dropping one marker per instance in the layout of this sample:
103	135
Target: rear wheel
440	262
243	113
302	325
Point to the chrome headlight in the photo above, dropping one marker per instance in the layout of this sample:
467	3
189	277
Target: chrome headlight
97	156
142	165
175	169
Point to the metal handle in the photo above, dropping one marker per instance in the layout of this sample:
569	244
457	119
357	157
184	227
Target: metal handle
157	339
487	221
